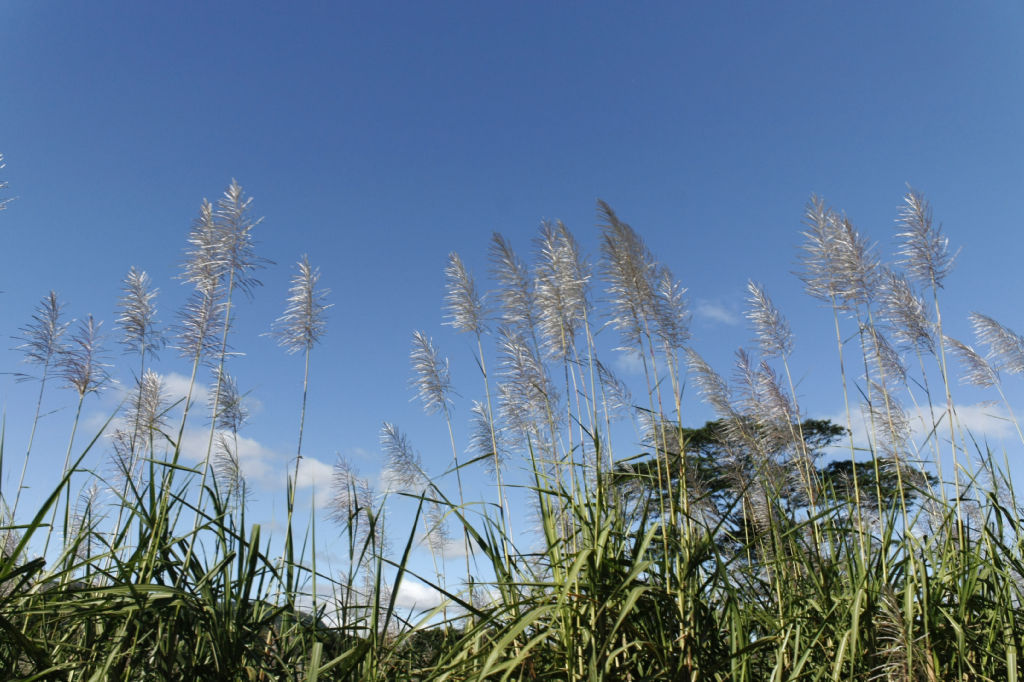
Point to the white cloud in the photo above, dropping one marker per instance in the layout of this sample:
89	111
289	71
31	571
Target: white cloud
413	595
259	464
313	472
985	420
455	547
982	420
176	388
715	312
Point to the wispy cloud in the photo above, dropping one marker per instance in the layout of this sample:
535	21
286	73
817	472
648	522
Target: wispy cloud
716	312
627	362
983	421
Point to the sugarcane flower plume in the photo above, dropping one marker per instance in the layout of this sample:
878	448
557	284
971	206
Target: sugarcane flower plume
561	277
41	339
978	371
764	413
839	265
515	290
616	396
859	266
403	465
487	438
431	377
227	404
465	305
227	469
711	385
304	320
352	505
906	313
124	456
202	315
820	251
630	271
235	247
352	493
776	407
885	361
137	318
889	423
84	522
147	409
671	316
438	535
924	250
526	393
770	326
204	265
81	362
1005	346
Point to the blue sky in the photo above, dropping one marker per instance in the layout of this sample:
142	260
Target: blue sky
379	137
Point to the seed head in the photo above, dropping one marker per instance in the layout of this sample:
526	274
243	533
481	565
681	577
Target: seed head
711	385
147	407
41	338
885	361
770	326
486	437
671	318
906	313
516	290
924	251
615	393
205	266
404	465
466	312
200	319
430	374
438	536
978	371
840	266
137	319
1005	347
204	269
820	251
561	288
227	467
226	403
526	391
630	272
81	362
303	323
889	422
234	244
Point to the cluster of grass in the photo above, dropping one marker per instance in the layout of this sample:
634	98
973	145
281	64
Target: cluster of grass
730	552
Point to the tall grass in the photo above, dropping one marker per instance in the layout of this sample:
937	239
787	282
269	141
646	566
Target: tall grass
736	551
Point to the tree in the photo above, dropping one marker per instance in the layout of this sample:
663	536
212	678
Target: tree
741	476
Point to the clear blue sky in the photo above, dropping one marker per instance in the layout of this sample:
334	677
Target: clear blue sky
378	137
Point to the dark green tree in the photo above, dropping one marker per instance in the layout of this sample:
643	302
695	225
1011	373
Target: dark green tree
735	474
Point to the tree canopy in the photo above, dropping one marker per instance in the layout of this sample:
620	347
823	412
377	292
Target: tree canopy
739	474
